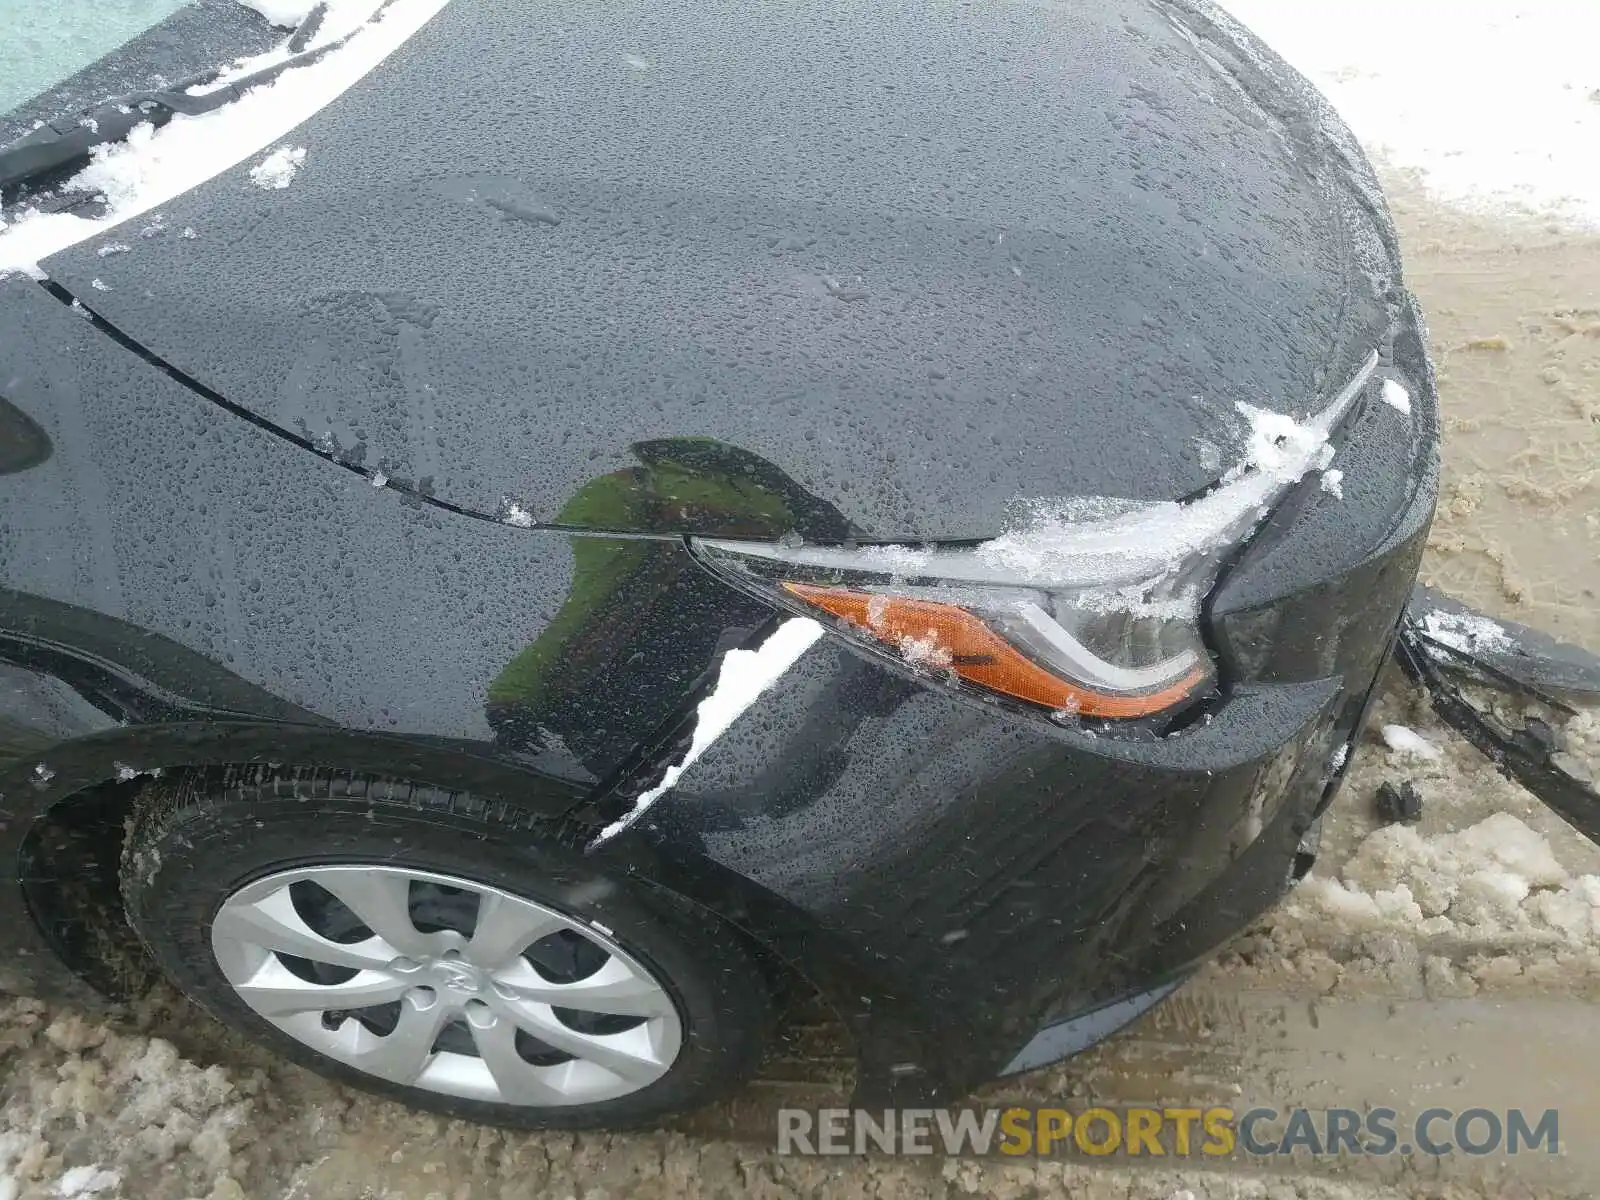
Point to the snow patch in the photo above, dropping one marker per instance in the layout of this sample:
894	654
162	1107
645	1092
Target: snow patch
152	166
1120	555
1467	632
1333	483
1396	396
285	14
744	675
1410	743
514	514
1340	757
278	169
86	1181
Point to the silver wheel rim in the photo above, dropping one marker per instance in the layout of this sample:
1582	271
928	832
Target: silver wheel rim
352	962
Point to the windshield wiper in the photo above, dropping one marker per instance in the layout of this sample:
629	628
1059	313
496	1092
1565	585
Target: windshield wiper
66	141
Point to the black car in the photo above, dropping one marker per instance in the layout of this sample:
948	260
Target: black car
528	530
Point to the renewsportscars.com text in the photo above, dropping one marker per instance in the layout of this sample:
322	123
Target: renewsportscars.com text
1167	1132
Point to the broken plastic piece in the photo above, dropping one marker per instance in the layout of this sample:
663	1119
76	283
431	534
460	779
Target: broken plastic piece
1398	805
1520	663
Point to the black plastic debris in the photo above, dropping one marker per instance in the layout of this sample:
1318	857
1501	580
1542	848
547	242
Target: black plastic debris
1398	805
1444	645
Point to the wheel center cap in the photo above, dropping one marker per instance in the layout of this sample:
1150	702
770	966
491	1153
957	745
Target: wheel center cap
458	977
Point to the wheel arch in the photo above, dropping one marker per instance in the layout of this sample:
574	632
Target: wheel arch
67	847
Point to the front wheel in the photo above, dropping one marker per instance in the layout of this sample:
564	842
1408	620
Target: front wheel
436	949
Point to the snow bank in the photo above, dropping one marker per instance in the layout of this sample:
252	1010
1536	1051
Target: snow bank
1494	879
153	166
744	675
92	1112
1497	106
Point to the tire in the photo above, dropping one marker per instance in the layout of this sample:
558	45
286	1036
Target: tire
205	846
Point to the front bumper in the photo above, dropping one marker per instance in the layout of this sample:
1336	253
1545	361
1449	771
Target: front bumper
958	878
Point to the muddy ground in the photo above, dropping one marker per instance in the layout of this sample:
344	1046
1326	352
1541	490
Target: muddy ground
1454	964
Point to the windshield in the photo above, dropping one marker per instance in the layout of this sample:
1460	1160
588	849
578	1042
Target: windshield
43	42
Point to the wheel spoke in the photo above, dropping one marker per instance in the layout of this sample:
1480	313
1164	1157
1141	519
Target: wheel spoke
517	1079
506	927
382	900
616	989
631	1054
275	991
273	924
401	1054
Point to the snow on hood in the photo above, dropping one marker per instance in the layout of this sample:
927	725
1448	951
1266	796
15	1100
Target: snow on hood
153	166
1115	547
285	14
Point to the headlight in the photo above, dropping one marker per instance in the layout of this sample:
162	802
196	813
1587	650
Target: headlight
1090	608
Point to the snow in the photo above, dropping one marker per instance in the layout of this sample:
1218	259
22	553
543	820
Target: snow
1396	396
1493	878
278	169
1409	743
743	676
85	1181
152	166
1114	550
1493	104
515	514
285	14
1333	483
94	1109
1466	632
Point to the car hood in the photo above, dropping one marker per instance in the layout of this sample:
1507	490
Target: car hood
905	267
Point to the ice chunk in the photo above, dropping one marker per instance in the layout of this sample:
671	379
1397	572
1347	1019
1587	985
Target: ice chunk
86	1181
278	169
1409	742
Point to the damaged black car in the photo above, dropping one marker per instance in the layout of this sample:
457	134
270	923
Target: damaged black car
530	533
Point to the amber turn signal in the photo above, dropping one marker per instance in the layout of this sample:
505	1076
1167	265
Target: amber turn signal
943	635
